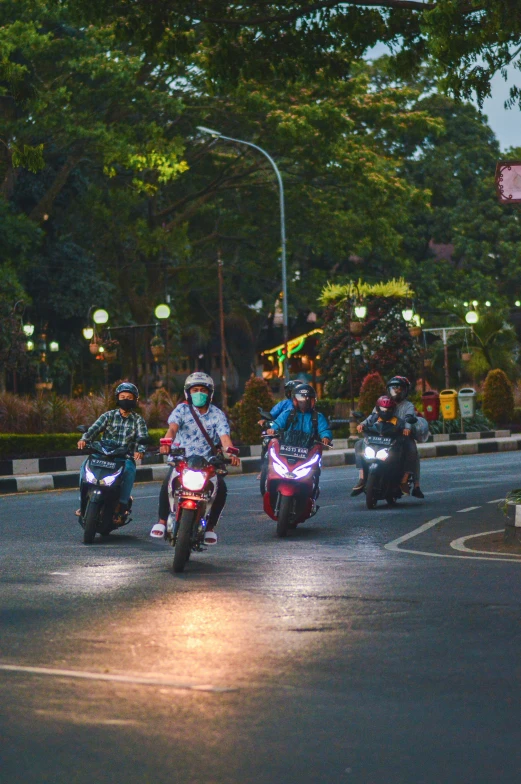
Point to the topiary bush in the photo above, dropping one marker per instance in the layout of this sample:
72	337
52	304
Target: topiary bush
372	387
256	394
498	397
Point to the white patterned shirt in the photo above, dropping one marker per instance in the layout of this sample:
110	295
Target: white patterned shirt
190	437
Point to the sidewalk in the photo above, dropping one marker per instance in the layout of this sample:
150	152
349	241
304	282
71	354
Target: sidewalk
23	483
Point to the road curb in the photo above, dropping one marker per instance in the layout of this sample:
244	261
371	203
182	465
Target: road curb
251	465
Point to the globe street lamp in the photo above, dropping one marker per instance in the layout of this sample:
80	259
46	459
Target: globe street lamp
28	330
88	333
100	316
219	135
162	312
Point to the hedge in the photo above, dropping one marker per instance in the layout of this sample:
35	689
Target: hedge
15	446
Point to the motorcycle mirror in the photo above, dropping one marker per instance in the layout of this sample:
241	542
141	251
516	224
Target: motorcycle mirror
82	428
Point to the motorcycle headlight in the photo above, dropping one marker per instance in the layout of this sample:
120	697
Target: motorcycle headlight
277	464
369	452
302	471
89	476
193	480
109	480
382	454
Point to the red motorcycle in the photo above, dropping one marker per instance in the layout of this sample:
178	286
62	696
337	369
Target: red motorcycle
292	482
192	490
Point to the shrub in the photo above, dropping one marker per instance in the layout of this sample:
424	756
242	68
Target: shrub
256	394
476	424
498	397
372	387
327	406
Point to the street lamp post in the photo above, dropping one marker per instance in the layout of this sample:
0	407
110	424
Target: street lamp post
219	135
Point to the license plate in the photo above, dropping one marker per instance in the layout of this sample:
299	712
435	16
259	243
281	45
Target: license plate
102	463
380	441
299	452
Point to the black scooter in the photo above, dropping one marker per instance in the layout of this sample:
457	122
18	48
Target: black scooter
383	460
100	489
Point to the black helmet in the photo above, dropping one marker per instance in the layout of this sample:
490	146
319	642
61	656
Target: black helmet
398	388
305	394
126	386
289	386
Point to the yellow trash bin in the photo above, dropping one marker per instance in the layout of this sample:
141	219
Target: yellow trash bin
449	403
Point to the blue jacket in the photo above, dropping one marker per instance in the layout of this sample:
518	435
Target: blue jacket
280	407
304	423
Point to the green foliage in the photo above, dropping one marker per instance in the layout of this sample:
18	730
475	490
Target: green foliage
384	346
256	395
476	424
15	445
498	398
372	387
334	293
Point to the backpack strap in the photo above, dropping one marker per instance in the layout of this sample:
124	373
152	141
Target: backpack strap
314	419
203	430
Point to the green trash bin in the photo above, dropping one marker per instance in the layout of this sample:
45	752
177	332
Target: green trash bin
467	402
448	403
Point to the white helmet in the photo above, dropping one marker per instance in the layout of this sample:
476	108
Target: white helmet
199	379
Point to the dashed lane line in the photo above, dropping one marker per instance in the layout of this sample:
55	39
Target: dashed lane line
468	509
113	678
496	501
394	546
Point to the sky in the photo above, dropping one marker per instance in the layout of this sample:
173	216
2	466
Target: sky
506	123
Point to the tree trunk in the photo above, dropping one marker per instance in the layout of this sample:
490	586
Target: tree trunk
44	207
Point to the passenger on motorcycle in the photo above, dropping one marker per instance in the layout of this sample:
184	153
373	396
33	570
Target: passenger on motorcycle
125	427
398	388
283	405
185	431
303	417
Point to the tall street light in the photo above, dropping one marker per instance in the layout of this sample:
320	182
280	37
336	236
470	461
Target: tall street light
218	135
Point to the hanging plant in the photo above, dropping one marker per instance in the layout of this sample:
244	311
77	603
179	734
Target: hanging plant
466	356
415	331
111	349
356	327
94	346
157	347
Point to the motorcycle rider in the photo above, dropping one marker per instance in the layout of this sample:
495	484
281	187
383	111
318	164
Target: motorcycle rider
286	404
303	417
125	427
398	388
184	430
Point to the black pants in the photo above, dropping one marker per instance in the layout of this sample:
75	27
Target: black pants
217	506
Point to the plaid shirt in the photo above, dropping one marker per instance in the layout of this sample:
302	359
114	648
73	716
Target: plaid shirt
125	431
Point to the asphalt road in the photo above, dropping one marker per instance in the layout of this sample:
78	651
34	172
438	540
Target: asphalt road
322	658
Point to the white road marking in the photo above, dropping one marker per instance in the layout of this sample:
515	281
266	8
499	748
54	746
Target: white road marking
468	509
496	500
100	676
459	544
62	574
394	545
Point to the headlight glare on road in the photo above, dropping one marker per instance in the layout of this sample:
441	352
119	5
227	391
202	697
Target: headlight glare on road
369	452
89	476
193	480
382	454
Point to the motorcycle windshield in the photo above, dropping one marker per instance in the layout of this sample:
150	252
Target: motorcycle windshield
109	448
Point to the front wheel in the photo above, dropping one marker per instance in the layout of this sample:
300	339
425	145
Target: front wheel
284	516
371	496
90	522
183	540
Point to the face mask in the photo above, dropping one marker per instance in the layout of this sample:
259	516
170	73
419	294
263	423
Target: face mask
127	405
199	399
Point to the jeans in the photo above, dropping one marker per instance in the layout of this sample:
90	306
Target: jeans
129	475
217	506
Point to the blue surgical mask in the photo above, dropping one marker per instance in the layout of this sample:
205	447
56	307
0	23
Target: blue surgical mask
199	399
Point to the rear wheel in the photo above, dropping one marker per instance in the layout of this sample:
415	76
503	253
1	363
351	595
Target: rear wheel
90	522
183	540
284	516
371	497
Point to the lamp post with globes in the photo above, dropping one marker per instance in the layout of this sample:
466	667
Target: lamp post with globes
219	135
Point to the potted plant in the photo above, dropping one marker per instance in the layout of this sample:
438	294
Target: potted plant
94	346
157	347
356	327
466	356
415	331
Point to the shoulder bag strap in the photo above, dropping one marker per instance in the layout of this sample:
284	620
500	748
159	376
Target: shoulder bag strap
203	430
